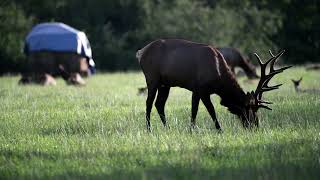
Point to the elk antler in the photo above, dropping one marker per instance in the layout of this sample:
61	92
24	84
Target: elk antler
265	78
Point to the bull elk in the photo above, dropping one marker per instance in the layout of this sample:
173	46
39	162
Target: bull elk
201	69
235	59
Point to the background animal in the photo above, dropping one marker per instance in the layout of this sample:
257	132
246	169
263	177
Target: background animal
203	70
313	67
68	65
142	91
235	59
296	84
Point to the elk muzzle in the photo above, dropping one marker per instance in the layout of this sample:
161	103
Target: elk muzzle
249	119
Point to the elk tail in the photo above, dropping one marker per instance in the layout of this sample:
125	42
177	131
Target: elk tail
138	54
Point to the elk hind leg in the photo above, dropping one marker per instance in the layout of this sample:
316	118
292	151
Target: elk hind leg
152	90
194	109
163	93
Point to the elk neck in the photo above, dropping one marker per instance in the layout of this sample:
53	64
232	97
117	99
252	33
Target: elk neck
248	68
231	94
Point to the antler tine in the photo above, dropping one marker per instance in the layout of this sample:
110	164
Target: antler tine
263	67
259	60
265	102
264	106
274	59
262	74
264	85
265	78
270	52
281	69
269	88
265	89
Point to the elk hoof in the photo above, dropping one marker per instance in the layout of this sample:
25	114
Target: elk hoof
166	126
148	129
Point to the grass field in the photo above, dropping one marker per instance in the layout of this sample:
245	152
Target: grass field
98	131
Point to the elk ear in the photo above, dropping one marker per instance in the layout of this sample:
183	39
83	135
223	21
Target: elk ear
250	98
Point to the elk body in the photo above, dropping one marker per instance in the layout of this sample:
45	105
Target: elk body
201	69
235	59
296	84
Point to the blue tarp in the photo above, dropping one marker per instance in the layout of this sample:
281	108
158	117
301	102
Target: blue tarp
57	37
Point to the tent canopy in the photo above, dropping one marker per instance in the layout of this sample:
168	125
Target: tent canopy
57	37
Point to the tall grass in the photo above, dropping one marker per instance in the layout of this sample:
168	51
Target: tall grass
98	131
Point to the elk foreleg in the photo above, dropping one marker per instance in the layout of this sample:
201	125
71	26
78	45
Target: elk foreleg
208	104
163	93
194	109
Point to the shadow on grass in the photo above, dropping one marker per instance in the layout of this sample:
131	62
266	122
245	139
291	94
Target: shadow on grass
279	171
290	160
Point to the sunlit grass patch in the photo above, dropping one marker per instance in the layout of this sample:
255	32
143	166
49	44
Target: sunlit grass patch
98	131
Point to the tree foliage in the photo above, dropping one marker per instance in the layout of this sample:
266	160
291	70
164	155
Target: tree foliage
13	27
117	29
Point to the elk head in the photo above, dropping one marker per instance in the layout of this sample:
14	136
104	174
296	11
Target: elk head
253	99
296	83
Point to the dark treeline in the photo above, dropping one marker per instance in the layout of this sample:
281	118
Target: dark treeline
117	29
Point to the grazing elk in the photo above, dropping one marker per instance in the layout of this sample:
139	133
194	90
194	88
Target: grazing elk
201	69
235	59
46	79
296	84
43	64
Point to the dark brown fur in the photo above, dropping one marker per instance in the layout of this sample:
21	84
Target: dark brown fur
203	70
235	59
197	67
45	63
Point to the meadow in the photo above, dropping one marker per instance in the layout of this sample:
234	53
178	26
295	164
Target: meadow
98	132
